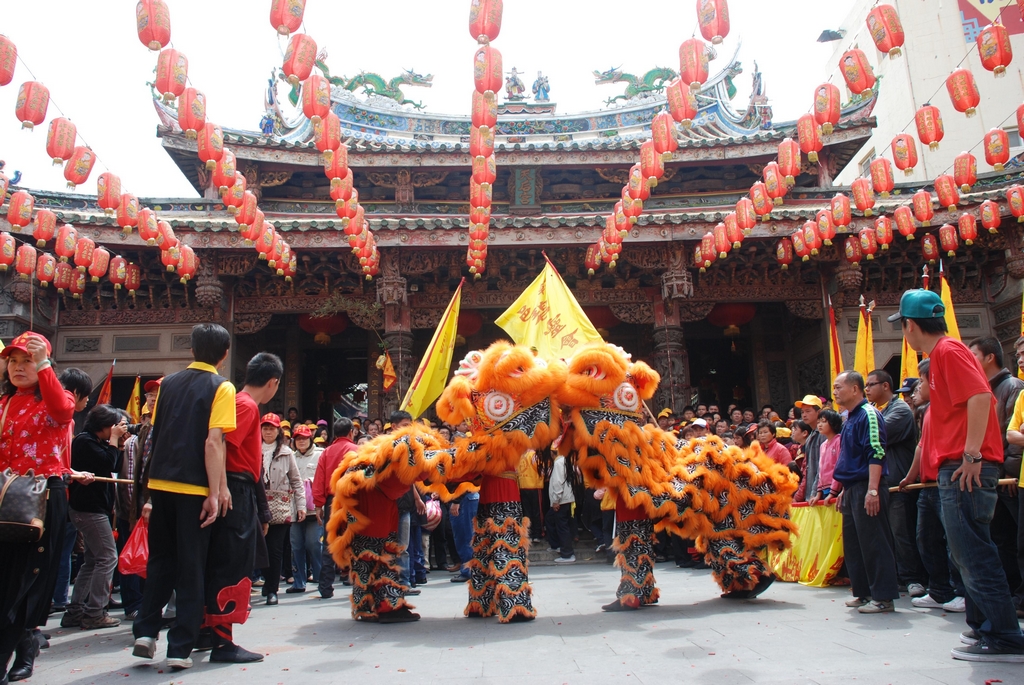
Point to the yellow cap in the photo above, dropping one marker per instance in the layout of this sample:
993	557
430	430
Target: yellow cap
809	400
665	412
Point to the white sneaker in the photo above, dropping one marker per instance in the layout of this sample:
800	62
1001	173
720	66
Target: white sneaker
916	590
957	605
145	647
926	602
179	664
564	560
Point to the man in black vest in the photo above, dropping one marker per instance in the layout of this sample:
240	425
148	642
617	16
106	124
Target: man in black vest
193	411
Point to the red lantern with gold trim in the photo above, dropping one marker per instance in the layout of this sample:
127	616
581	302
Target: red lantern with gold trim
336	168
881	176
246	212
948	240
108	192
481	142
485	170
622	222
968	227
5	183
188	263
78	168
663	133
630	207
19	209
863	195
25	261
841	215
153	23
807	135
826	227
904	153
963	91
191	113
990	217
799	246
165	237
784	253
733	231
30	107
327	136
286	15
713	17
592	260
83	253
299	58
1020	117
292	268
148	226
994	49
904	218
997	148
316	98
170	257
100	262
210	145
63	274
485	20
693	63
223	176
132	278
930	248
761	201
651	164
929	126
78	281
67	241
235	195
774	182
46	268
746	216
8	59
945	188
265	241
479	195
60	140
698	257
8	248
857	72
46	227
826	107
682	102
965	171
118	272
480	215
251	232
868	242
342	188
485	109
789	160
1015	200
488	75
853	252
812	239
171	74
636	186
883	232
923	210
886	29
722	244
707	248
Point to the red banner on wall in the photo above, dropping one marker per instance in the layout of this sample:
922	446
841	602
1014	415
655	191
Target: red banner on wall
975	15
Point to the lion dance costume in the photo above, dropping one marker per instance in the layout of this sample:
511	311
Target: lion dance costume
732	502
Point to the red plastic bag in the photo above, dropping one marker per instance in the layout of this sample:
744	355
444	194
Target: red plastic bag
135	554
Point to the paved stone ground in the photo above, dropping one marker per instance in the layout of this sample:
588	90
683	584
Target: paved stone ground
793	634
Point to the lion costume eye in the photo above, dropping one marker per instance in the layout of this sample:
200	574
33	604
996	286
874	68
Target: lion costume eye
594	372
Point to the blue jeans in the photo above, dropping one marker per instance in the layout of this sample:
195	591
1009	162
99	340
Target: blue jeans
306	540
966	517
60	593
944	582
462	529
417	570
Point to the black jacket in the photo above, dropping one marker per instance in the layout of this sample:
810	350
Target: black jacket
1005	386
901	439
88	453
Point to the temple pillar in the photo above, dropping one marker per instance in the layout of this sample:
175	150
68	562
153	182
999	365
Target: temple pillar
293	372
392	293
670	359
762	391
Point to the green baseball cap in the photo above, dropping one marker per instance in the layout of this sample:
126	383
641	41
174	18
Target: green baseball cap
920	304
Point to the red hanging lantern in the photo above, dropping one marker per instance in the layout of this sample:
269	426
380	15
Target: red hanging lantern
746	216
19	209
948	240
826	227
693	63
812	239
485	109
485	20
481	142
663	133
63	275
774	182
997	148
286	15
170	257
336	168
622	222
118	271
191	113
994	49
841	215
30	108
636	186
713	17
171	74
235	195
651	164
188	264
789	160
78	168
265	241
826	107
1020	118
108	192
153	22
923	211
886	30
990	217
868	242
488	75
284	256
592	260
863	195
224	170
761	201
883	232
316	98
251	232
46	267
800	246
963	91
327	136
292	268
347	210
904	153
132	278
210	145
733	231
630	207
60	140
246	212
299	58
148	228
965	171
1015	199
77	284
707	249
857	71
968	226
881	176
945	188
682	102
46	227
904	218
25	262
784	253
67	241
479	195
807	135
100	262
722	243
8	247
342	188
165	238
929	126
8	59
930	248
83	253
698	257
276	249
5	183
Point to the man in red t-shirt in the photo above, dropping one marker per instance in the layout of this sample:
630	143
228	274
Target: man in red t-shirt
233	541
964	457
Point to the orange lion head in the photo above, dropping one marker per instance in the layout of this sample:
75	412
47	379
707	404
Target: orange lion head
603	376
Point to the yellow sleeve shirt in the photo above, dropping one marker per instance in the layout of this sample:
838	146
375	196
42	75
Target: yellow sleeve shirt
1015	424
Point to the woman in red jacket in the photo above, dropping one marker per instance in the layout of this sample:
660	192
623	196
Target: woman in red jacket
35	415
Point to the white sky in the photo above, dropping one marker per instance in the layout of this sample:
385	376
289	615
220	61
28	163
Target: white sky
89	56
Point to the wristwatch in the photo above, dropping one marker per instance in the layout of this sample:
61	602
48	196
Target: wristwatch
970	458
873	493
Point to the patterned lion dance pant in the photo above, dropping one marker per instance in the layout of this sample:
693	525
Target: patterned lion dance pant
734	567
634	555
375	577
499	584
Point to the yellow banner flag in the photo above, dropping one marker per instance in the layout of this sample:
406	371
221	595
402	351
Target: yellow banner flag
864	359
817	552
835	351
548	317
908	364
952	329
134	407
432	374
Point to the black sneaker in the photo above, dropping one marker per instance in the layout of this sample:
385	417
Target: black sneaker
982	651
969	637
231	653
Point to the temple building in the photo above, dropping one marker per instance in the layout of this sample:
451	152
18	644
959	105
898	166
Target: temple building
745	330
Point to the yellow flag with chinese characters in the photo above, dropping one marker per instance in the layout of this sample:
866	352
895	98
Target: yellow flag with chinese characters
134	407
864	359
432	374
548	317
908	364
952	329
